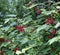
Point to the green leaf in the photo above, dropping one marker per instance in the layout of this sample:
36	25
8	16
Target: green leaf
12	24
33	5
6	28
58	32
6	20
57	25
45	51
27	20
48	12
10	52
58	7
51	41
5	44
41	27
1	25
23	41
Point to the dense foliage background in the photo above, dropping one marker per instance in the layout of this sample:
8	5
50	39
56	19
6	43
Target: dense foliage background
29	27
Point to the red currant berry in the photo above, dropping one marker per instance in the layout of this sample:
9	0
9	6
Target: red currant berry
20	28
54	32
50	21
16	49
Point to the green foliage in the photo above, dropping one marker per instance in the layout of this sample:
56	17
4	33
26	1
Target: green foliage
29	28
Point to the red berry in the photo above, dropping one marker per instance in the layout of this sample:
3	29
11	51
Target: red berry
1	52
21	28
50	37
50	21
16	49
7	40
54	32
1	39
38	12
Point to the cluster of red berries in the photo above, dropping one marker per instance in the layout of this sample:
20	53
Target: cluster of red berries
53	33
2	52
2	40
20	28
51	21
6	40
